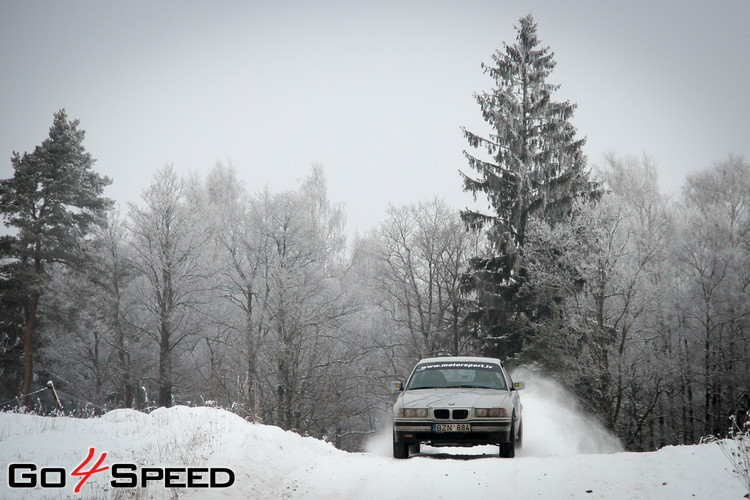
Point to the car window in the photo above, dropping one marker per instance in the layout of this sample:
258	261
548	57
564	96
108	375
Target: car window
457	374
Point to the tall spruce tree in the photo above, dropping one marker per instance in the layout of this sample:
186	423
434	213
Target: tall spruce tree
52	201
534	167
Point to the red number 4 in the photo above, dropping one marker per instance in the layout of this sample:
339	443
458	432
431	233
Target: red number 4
85	474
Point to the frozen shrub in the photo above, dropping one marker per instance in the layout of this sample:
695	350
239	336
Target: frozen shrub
737	449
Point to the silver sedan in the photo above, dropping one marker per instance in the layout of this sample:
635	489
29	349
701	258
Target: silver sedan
458	401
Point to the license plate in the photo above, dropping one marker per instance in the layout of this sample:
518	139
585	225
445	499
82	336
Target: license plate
451	427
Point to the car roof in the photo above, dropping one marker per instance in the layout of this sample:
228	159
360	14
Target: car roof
462	359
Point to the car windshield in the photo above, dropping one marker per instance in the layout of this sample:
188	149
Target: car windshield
457	374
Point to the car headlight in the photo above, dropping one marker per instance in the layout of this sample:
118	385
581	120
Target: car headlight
412	412
490	412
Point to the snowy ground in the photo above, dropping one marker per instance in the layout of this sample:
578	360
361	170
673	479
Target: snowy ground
566	456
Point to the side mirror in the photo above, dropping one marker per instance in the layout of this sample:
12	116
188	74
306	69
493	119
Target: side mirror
397	386
519	386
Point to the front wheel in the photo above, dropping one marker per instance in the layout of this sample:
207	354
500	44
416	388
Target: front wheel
400	450
508	450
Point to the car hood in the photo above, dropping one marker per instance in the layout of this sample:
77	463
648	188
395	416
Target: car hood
454	398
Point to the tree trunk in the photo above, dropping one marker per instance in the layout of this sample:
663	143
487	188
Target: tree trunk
688	408
123	356
165	366
165	377
252	376
98	372
707	382
166	307
126	385
28	361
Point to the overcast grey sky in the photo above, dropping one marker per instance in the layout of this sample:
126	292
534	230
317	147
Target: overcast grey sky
376	92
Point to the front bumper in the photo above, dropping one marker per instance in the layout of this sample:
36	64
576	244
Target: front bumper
482	432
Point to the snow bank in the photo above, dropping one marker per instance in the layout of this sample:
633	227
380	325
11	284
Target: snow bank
271	463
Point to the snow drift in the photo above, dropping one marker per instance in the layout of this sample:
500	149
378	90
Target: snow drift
271	463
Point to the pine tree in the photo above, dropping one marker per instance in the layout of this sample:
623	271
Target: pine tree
52	200
535	168
11	321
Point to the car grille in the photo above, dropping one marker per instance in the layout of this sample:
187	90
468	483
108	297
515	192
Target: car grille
460	414
444	414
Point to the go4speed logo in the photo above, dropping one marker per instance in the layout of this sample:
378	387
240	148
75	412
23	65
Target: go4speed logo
122	475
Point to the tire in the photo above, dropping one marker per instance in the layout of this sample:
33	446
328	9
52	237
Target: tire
519	441
400	450
413	449
508	450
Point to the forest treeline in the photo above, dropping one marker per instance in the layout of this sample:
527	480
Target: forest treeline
205	292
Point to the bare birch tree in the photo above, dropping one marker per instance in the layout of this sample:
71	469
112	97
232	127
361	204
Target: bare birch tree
166	241
714	305
421	253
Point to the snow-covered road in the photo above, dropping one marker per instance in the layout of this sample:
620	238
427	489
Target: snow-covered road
271	463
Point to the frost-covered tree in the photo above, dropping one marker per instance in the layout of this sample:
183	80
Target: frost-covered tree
112	276
419	254
53	200
228	357
75	341
89	344
534	167
600	274
166	239
277	323
302	271
712	257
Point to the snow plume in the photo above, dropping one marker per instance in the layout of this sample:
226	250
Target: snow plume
381	443
553	424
